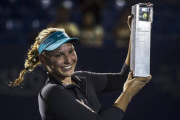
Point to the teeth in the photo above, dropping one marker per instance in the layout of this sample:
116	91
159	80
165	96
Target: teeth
67	67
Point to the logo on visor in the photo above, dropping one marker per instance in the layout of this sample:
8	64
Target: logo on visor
59	35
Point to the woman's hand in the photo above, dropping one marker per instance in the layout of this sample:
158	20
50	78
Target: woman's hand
133	85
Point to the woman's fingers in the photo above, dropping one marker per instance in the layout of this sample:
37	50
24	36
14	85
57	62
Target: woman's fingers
149	77
129	20
144	79
151	25
148	4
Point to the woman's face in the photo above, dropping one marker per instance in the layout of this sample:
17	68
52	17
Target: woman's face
62	61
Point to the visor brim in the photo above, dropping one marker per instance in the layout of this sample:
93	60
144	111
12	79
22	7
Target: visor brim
58	43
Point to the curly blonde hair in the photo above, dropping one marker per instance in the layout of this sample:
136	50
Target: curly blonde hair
32	60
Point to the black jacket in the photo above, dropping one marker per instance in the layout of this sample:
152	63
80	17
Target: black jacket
60	101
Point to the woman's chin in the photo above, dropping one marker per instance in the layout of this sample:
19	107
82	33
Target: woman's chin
67	74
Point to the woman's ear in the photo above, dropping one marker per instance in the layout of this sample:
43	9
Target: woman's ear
42	59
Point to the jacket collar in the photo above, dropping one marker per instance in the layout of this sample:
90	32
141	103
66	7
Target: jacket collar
81	82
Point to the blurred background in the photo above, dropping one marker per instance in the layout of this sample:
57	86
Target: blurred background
101	25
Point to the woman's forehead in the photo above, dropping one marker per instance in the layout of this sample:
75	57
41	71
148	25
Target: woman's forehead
63	48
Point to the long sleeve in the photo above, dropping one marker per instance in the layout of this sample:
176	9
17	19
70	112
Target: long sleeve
62	105
106	82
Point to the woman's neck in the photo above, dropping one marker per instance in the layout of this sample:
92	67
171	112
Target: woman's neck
66	80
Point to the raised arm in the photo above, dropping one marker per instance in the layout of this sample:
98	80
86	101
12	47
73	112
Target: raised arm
105	82
133	85
127	61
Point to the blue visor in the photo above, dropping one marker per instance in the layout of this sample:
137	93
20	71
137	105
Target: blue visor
55	40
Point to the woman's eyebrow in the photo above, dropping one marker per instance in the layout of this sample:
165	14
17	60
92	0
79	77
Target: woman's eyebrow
72	48
58	53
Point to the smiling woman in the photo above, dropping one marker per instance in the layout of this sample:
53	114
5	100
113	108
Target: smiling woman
70	95
61	62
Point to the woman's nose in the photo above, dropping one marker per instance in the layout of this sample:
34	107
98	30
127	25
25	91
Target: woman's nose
67	59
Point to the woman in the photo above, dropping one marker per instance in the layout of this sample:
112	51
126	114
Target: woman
69	95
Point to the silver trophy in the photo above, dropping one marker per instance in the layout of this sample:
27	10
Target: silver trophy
141	39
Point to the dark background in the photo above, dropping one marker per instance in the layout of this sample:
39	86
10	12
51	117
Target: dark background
159	100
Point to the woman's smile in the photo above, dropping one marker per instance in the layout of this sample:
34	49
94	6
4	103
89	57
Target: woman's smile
67	67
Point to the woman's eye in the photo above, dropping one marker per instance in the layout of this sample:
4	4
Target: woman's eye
58	56
71	51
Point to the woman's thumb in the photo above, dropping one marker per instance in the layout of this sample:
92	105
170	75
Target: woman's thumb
130	75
